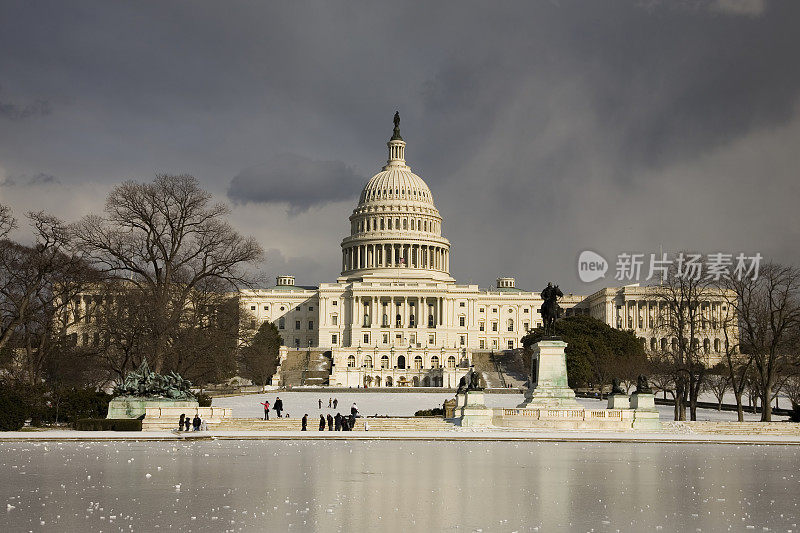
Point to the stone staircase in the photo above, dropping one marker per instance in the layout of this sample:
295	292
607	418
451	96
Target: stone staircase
375	424
743	428
499	369
306	367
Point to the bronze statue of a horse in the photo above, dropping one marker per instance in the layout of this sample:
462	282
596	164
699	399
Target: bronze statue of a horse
550	309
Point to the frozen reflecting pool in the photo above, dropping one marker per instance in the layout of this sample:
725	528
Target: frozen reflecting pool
393	486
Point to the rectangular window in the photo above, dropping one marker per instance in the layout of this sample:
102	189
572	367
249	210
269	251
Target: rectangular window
482	344
310	324
525	310
333	339
482	326
385	338
526	326
297	343
510	345
297	324
335	302
366	338
431	339
282	323
334	320
310	307
494	326
462	304
462	340
494	343
252	307
266	308
462	321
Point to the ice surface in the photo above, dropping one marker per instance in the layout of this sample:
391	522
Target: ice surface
394	486
405	404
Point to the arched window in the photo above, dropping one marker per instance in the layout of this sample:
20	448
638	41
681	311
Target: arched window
706	346
415	381
674	344
351	361
384	361
716	345
451	362
653	344
377	381
426	381
401	361
418	362
664	344
368	361
405	223
435	361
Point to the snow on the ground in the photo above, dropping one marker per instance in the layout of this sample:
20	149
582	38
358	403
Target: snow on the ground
298	403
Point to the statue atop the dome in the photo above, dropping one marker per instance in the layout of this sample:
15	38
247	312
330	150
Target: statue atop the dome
396	136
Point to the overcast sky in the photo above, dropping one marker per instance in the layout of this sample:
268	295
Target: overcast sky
542	128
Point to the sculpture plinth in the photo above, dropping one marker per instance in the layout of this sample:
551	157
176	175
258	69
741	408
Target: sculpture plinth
549	387
473	411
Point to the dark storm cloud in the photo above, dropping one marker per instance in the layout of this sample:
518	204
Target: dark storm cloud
296	180
38	108
542	128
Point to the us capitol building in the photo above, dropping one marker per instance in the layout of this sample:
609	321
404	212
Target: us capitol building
395	316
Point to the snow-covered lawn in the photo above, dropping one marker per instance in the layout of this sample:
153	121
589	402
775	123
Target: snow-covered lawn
402	404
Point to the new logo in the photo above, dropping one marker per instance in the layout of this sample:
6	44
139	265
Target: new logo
591	266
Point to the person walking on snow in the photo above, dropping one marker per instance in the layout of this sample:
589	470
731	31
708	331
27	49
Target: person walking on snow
320	403
266	409
305	422
354	410
335	403
330	422
278	406
322	422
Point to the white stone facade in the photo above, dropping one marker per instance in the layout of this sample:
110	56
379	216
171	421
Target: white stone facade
395	316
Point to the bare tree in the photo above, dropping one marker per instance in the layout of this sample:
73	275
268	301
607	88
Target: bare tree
166	239
38	282
718	382
682	296
768	312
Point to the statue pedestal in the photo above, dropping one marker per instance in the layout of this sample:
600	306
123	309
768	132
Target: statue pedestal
645	413
135	407
474	412
549	388
619	401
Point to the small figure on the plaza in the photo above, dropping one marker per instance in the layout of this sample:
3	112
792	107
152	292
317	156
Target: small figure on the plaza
322	422
642	387
615	387
550	309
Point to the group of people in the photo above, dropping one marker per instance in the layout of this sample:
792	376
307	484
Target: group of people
339	422
196	423
277	406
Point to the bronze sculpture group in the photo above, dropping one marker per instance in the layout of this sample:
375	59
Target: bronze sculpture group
144	383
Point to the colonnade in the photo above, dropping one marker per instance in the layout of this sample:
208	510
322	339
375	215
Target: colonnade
644	314
396	255
397	312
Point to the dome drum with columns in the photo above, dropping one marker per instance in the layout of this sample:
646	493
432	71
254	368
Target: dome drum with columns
395	226
395	316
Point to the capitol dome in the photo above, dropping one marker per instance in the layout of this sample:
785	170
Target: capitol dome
396	225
